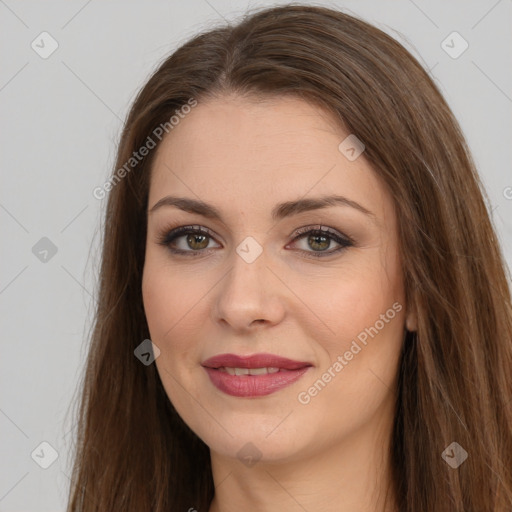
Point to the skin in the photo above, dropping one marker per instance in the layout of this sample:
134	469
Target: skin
244	156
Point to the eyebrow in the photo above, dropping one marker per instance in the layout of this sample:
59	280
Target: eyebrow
280	211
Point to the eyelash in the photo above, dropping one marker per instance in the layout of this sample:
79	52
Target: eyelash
167	237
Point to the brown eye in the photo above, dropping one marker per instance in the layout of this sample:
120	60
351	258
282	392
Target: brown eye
319	239
197	241
319	242
189	240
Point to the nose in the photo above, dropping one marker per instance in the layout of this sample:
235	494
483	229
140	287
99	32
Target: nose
250	295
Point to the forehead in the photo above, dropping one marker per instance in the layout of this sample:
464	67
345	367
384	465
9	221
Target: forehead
245	153
235	130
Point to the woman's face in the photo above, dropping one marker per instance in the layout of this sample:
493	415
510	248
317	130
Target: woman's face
275	343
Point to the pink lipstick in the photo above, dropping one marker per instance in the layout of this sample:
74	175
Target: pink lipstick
252	376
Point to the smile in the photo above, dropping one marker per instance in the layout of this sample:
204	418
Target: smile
253	376
249	371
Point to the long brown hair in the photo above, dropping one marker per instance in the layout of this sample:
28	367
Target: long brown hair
134	453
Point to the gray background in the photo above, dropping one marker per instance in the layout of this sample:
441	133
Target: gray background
61	118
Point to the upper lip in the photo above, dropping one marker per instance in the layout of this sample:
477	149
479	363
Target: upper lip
253	361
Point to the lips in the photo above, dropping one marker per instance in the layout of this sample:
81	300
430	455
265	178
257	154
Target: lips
255	375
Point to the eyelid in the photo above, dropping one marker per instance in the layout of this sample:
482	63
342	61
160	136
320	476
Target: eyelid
324	229
169	235
336	236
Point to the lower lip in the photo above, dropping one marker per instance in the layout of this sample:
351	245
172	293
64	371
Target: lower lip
254	385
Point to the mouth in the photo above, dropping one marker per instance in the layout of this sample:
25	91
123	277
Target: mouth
253	376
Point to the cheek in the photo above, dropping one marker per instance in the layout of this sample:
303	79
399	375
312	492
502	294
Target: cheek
359	362
360	349
175	308
166	301
168	292
159	298
365	325
168	308
347	301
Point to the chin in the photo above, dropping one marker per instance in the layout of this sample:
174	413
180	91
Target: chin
256	436
249	450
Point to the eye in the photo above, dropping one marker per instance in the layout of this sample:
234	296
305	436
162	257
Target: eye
195	240
319	239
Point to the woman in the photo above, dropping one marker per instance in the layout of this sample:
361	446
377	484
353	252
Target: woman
296	224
